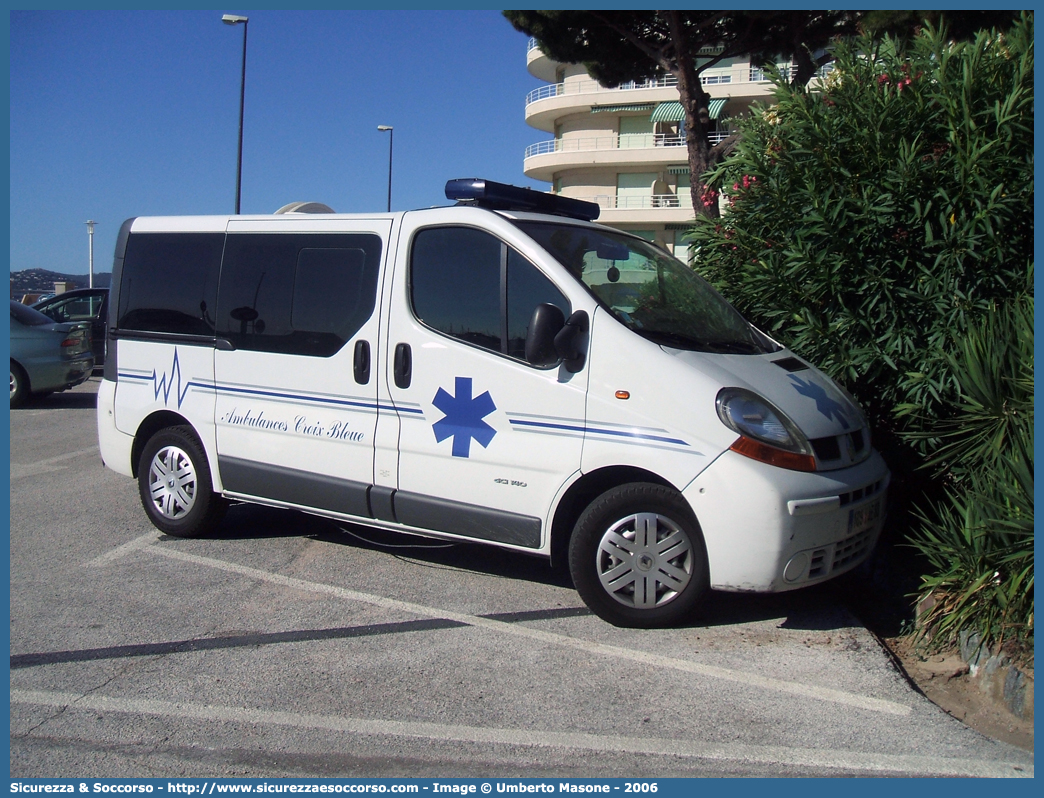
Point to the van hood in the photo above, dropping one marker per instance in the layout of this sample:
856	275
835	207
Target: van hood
806	395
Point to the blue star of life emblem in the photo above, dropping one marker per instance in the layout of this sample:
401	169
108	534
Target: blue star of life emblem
824	404
463	419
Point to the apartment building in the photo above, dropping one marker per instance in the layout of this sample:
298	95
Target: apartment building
624	148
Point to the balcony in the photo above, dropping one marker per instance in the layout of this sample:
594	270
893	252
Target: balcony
594	87
538	64
545	158
649	209
546	104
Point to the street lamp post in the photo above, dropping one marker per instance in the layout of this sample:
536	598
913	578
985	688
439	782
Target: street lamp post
233	19
90	249
391	138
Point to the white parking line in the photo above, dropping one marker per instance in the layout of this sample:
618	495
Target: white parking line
122	551
688	748
551	638
49	465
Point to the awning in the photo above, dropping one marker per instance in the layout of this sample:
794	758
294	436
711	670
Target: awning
673	112
603	109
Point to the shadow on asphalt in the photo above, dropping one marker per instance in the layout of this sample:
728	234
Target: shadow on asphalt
816	608
67	400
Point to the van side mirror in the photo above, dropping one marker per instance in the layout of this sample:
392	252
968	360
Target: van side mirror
568	342
552	339
545	323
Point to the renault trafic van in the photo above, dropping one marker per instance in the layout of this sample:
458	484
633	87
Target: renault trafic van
501	371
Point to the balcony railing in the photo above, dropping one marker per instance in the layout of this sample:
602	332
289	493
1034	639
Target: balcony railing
628	141
647	202
709	78
593	87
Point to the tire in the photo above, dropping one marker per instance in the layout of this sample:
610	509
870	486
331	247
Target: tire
175	484
19	385
637	557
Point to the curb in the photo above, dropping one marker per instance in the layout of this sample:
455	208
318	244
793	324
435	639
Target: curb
997	677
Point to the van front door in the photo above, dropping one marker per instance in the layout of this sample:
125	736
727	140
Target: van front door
485	440
296	362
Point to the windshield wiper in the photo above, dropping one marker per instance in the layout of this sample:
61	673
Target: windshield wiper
673	339
735	347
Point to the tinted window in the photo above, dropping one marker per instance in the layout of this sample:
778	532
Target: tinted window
650	292
297	294
527	288
455	284
169	282
82	307
469	285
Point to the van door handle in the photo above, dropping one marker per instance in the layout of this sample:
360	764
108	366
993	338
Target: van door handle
403	365
362	362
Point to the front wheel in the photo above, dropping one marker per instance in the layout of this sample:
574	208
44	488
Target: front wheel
175	485
637	557
19	385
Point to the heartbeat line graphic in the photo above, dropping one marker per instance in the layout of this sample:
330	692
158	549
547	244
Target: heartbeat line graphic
165	383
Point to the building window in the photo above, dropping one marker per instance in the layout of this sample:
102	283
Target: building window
634	190
636	131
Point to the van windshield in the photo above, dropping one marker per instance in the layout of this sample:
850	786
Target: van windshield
653	294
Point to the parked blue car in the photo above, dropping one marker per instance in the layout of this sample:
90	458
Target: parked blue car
46	356
81	304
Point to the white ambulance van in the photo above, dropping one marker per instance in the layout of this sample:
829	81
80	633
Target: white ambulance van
500	371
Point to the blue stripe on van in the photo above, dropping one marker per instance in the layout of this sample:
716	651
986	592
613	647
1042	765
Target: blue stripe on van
588	430
230	389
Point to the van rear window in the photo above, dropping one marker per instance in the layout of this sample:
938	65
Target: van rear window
169	282
300	294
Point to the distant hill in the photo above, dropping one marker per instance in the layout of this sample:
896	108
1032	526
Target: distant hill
35	281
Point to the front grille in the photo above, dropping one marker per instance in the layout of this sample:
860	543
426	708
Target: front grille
827	448
861	493
857	441
845	552
852	549
830	450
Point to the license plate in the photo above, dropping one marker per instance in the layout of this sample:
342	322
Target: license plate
862	518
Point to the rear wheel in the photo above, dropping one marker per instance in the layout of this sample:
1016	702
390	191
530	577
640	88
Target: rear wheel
175	484
19	385
637	557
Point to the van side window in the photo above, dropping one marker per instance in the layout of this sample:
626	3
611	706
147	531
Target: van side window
169	283
469	285
297	294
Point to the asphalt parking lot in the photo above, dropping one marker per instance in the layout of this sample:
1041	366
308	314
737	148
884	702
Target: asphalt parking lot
287	645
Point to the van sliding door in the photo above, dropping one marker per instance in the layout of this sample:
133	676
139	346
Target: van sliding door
295	373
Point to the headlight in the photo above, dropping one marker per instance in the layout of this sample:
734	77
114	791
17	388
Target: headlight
766	432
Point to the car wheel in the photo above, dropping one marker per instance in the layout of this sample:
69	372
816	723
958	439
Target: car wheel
175	485
637	557
19	385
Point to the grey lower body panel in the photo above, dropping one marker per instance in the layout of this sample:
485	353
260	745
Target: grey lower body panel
322	492
483	523
291	486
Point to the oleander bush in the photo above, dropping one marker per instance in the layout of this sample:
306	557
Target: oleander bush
873	216
880	223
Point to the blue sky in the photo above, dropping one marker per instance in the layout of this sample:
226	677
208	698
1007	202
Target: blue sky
132	113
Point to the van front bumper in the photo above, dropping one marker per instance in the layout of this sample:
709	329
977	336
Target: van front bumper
768	529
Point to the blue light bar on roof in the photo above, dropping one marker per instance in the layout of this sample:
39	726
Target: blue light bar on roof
504	197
